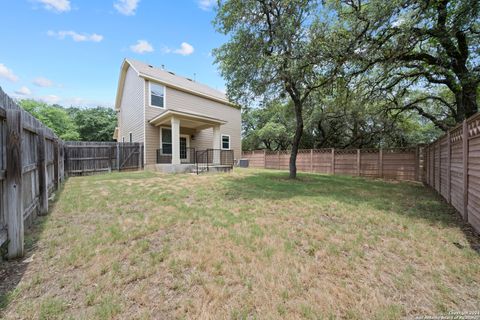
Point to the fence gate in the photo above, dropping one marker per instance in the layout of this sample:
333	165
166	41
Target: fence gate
82	158
130	156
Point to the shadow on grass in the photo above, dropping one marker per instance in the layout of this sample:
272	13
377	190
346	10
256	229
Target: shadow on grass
12	271
410	199
115	175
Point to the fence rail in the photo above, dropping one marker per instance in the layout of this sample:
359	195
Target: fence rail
453	168
396	163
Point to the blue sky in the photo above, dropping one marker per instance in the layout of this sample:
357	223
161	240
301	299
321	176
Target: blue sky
70	51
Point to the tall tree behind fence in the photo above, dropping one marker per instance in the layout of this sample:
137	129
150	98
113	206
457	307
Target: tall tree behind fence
398	163
31	167
453	168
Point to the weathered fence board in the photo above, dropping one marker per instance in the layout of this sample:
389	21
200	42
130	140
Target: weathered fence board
84	158
22	188
32	166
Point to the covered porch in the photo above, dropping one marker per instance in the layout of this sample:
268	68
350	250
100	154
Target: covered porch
181	142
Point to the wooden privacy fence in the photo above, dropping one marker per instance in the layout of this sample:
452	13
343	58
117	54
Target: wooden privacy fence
396	163
32	161
31	167
452	168
82	158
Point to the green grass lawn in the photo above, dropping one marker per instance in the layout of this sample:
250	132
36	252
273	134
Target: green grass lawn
246	245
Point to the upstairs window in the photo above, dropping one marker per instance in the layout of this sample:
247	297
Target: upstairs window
225	142
157	95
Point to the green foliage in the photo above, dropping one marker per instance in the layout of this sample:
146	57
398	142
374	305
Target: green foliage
423	55
94	124
53	116
72	124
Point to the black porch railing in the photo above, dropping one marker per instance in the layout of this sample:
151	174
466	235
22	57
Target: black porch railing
187	156
205	160
220	159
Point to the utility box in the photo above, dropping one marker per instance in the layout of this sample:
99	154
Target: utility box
243	163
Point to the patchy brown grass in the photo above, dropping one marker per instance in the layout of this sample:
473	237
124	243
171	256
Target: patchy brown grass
245	245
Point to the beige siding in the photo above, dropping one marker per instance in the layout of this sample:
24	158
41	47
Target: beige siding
131	108
152	135
183	101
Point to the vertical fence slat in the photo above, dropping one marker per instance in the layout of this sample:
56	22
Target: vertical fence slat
14	183
42	173
449	168
333	161
358	162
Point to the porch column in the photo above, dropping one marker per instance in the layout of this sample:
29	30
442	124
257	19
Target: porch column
175	125
216	144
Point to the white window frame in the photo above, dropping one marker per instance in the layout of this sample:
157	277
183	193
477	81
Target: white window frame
150	95
161	140
187	136
229	141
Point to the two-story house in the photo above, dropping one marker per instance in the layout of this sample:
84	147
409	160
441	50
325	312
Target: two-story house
176	118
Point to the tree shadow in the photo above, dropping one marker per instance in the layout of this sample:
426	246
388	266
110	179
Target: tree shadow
410	199
12	271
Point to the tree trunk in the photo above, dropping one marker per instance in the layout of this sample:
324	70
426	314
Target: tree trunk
296	139
466	101
469	100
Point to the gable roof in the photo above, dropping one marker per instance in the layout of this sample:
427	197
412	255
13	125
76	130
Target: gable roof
169	79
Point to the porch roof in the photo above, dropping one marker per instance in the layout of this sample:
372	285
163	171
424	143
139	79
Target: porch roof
188	119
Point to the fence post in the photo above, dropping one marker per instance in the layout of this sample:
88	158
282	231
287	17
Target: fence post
278	163
14	204
139	155
311	160
56	167
417	163
380	163
111	158
42	172
118	156
333	161
449	164
264	158
65	161
426	164
433	166
358	162
465	170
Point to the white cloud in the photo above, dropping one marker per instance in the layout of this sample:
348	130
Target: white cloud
126	7
43	82
82	102
142	46
56	5
185	49
7	73
206	5
77	37
23	91
50	99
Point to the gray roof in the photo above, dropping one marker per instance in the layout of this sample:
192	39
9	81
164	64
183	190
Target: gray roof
168	77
